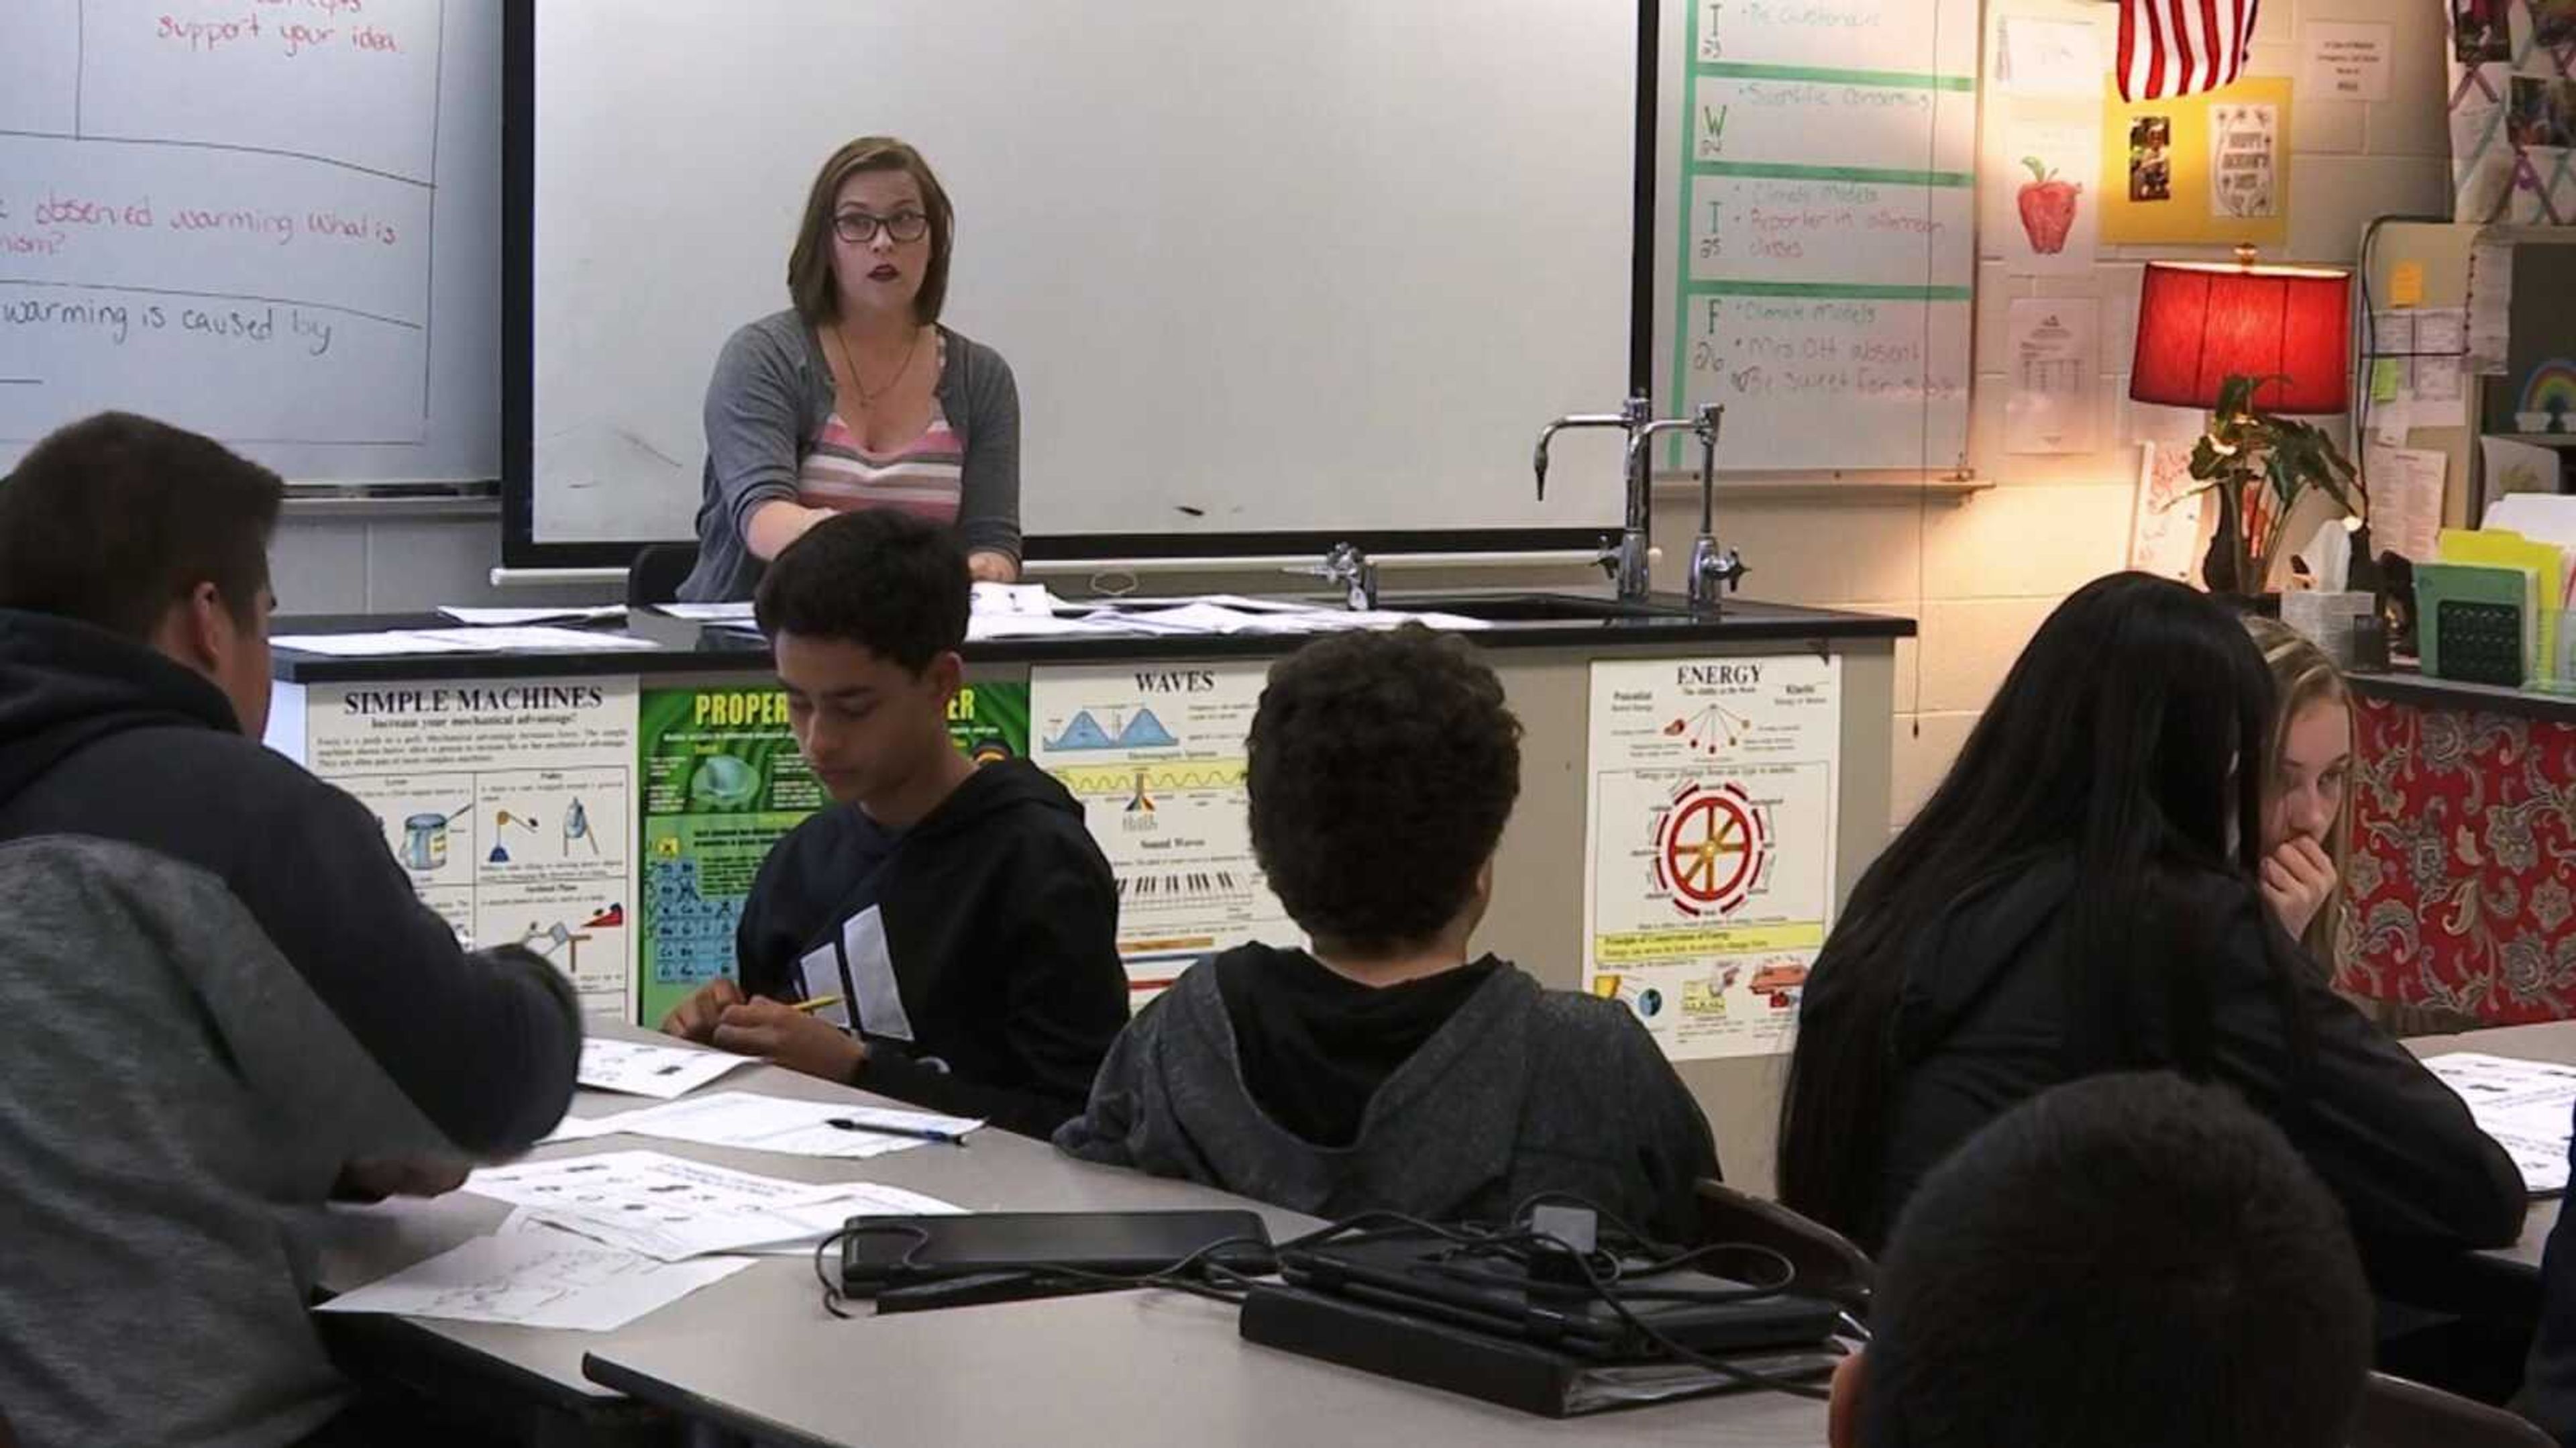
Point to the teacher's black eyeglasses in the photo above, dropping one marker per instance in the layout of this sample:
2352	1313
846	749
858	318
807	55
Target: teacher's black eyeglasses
859	228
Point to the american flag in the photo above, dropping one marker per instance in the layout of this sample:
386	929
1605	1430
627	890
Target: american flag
2180	47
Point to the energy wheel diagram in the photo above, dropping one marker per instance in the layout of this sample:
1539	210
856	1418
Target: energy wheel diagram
1711	845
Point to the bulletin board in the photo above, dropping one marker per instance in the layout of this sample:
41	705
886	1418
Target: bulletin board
2209	169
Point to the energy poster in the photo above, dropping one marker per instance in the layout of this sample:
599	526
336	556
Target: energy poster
1709	844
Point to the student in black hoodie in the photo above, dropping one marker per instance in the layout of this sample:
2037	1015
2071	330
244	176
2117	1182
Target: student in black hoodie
2126	1261
1384	1069
976	920
224	996
2079	896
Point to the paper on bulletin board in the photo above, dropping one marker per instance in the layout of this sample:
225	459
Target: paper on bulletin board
2208	169
2343	60
2490	306
2513	111
2166	532
2404	488
2518	467
2056	55
2440	392
2052	351
1157	757
2046	217
2244	161
506	804
1709	844
723	781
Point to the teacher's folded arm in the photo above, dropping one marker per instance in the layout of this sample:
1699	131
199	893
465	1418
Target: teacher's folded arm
855	396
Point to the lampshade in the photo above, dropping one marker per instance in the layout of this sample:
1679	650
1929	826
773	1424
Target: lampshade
2199	322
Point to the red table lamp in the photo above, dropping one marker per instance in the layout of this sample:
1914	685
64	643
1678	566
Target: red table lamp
2201	323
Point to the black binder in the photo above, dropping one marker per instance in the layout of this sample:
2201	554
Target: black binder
1512	1372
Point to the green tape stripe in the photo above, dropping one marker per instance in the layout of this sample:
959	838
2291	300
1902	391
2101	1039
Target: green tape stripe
1892	79
1867	175
1849	291
1682	247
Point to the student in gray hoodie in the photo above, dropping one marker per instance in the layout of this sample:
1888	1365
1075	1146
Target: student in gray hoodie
226	1001
1384	1068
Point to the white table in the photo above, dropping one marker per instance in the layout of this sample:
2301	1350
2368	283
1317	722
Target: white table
1141	1369
2553	1041
757	1351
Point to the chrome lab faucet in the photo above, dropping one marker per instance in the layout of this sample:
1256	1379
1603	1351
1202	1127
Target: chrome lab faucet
1346	567
1711	568
1629	561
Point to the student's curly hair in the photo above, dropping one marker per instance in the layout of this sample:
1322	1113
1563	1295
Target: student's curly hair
1383	767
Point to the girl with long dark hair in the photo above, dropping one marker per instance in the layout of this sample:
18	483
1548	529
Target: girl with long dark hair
2079	896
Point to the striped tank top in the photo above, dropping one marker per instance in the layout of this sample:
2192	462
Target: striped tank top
924	477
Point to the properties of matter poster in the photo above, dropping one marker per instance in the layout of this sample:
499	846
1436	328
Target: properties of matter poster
722	781
1156	755
505	801
1709	846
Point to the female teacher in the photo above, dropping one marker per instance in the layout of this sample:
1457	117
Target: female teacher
856	397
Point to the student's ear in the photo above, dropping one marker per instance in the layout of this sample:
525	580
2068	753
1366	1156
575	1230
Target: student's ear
947	674
1842	1412
197	631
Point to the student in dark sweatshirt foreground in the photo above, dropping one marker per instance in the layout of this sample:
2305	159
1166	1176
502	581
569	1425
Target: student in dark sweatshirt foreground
977	921
1383	1068
227	1000
2125	1261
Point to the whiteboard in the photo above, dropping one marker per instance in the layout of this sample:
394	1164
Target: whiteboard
1323	266
1816	225
274	222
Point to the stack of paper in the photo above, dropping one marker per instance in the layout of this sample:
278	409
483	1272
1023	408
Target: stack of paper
532	1280
984	626
543	638
820	1218
708	612
496	639
1025	599
670	1208
480	617
643	1069
372	645
2526	1106
1240	616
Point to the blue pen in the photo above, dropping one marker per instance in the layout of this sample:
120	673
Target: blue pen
915	1133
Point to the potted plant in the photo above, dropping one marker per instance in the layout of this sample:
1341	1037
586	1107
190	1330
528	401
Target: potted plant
2260	465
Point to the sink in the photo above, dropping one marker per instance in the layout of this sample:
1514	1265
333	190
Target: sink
1527	607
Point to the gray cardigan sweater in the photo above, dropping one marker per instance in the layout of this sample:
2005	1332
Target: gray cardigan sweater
772	392
1524	1090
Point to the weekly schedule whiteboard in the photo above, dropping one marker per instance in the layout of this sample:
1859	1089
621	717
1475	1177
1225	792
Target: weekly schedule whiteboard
1816	205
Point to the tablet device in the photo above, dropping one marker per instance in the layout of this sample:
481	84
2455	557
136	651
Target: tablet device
881	1252
1417	1272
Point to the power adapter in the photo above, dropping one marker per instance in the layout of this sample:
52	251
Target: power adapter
1566	1237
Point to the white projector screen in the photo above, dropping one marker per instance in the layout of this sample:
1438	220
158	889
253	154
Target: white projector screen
1275	269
